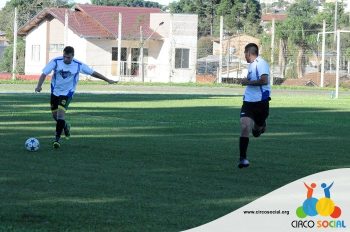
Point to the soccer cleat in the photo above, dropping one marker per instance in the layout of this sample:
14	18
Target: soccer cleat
67	131
243	163
56	144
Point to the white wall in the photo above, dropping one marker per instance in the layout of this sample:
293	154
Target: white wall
179	31
56	36
99	55
50	32
37	36
185	36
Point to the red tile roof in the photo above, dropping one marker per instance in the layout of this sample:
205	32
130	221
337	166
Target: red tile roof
277	17
99	21
132	18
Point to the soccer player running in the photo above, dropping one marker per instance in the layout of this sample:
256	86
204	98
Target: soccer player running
255	108
65	78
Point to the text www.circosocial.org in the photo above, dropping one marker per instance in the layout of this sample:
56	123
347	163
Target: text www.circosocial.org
257	212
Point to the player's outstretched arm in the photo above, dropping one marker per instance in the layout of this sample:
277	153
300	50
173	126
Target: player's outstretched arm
262	81
40	82
101	77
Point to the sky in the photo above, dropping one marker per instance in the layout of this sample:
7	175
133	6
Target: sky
162	2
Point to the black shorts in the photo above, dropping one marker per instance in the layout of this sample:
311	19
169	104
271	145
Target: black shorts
258	111
59	102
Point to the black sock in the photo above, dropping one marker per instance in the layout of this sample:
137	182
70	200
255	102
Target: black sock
59	127
243	146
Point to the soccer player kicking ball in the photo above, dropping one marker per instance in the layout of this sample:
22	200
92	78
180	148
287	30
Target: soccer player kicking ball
255	108
64	81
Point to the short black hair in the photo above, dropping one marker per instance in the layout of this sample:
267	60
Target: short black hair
68	50
252	48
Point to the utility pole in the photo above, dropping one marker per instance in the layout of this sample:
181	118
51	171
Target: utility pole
335	20
141	55
119	43
228	58
338	64
14	56
171	47
66	27
323	51
142	43
272	51
221	44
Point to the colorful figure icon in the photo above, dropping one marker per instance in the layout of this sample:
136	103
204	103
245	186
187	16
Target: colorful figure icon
327	192
313	206
310	190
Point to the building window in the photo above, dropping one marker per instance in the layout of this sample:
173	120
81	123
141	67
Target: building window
35	52
115	54
182	58
56	47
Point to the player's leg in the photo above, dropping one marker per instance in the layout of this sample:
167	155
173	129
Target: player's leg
63	103
66	128
54	106
59	127
261	114
54	102
246	125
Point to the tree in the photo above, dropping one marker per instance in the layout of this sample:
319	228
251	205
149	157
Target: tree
328	14
205	10
282	34
205	47
27	9
6	62
241	15
252	17
301	29
280	4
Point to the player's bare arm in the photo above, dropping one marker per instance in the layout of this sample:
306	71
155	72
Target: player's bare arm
40	82
101	77
262	81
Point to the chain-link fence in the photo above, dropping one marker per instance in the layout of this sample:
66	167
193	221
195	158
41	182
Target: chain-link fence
313	65
291	64
223	60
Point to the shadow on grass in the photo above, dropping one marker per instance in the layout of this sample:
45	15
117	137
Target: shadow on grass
159	168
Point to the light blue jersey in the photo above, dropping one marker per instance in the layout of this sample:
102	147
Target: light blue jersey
65	76
255	70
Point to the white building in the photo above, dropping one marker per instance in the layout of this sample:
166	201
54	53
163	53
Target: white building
169	47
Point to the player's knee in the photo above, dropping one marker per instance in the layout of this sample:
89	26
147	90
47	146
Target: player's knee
60	115
245	128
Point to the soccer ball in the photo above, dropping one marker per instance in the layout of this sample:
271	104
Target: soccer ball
32	144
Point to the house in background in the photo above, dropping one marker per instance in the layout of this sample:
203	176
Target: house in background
233	47
169	41
234	64
266	20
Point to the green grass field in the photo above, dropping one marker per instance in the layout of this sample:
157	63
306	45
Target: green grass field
140	162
